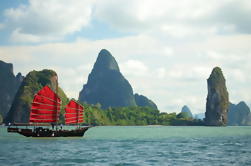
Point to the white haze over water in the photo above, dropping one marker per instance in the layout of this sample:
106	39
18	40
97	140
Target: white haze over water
166	49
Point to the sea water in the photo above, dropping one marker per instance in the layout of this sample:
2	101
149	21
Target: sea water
134	145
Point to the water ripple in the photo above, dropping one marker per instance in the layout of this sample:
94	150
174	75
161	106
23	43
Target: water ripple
169	147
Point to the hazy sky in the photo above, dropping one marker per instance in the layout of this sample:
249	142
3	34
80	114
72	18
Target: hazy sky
166	49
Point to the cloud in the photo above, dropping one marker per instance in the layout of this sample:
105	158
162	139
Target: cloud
43	20
161	72
72	78
167	56
170	81
19	37
236	15
176	18
134	67
52	20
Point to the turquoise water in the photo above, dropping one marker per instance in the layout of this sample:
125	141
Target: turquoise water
149	145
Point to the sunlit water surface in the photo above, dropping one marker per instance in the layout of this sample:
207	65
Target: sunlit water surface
148	145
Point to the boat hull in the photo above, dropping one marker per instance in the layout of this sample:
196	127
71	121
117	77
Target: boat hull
41	132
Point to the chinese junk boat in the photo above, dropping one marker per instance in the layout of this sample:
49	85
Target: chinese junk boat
45	111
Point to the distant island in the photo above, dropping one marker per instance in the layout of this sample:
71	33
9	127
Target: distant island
108	99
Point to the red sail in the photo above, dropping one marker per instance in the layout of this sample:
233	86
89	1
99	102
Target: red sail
45	107
40	106
43	99
74	113
48	93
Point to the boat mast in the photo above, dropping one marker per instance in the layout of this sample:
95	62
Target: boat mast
77	117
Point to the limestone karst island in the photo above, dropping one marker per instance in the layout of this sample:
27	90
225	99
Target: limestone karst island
109	99
125	83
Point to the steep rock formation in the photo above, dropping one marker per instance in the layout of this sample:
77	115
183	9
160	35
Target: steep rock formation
32	83
231	119
217	99
106	85
239	115
1	119
8	86
187	110
144	101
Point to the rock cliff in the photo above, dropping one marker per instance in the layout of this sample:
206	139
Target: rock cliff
32	83
187	110
217	99
144	101
106	85
9	85
239	115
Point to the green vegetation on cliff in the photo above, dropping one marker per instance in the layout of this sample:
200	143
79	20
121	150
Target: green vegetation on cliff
143	101
133	115
94	114
32	83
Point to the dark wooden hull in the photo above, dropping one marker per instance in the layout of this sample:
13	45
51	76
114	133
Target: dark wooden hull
41	132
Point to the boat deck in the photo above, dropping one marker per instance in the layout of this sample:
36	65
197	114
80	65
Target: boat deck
45	132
